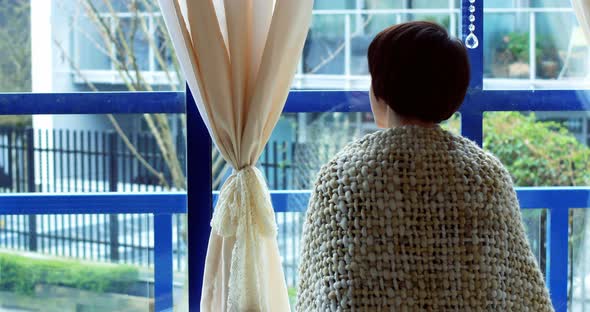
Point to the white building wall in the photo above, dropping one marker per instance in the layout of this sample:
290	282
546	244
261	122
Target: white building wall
42	76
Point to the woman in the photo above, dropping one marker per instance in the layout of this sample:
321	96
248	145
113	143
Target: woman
414	218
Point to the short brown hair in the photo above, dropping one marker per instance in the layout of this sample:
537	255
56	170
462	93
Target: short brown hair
419	70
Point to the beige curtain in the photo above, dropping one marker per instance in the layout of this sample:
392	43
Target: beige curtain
239	58
582	10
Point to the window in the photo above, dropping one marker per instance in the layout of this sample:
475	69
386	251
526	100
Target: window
79	59
533	44
86	157
335	52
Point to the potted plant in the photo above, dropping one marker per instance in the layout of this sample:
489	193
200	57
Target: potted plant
511	58
548	60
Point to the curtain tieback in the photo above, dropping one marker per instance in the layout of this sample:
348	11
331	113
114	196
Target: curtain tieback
244	202
244	211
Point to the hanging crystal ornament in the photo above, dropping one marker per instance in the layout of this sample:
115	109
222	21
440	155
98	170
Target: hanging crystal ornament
471	41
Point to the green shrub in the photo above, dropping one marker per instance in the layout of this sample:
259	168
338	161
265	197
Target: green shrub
536	153
20	274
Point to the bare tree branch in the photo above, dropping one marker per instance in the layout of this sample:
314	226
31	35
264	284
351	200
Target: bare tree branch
334	53
125	62
115	123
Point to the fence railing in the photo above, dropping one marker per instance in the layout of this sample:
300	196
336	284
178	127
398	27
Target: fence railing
75	161
69	161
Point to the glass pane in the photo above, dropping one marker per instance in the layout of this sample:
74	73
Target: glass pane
548	149
506	43
540	148
334	55
15	46
534	44
117	45
86	45
123	45
579	279
74	263
535	225
86	154
92	153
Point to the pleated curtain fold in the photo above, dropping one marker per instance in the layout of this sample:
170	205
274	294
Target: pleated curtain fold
239	58
582	11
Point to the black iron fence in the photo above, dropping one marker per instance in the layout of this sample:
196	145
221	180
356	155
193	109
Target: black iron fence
61	161
81	161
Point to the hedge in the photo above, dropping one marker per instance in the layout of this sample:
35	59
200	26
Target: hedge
20	274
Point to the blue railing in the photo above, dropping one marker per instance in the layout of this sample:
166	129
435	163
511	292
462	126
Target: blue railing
558	200
478	101
162	206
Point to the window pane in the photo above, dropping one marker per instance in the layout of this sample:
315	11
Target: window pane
15	46
535	225
85	154
579	281
302	142
534	44
85	45
541	148
548	149
335	53
117	45
110	45
66	263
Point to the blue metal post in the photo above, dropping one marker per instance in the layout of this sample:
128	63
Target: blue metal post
557	257
163	275
198	153
472	126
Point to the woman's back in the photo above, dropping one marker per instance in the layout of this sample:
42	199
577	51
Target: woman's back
415	218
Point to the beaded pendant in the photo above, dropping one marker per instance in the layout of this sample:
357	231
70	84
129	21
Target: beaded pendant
471	40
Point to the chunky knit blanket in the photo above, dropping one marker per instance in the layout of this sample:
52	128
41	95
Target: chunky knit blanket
416	219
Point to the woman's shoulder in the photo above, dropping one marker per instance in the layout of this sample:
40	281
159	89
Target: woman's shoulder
415	144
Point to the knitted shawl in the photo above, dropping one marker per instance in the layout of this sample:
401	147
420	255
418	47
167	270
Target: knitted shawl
416	219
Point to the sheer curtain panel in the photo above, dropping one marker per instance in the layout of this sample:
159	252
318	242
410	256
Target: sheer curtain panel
239	58
582	10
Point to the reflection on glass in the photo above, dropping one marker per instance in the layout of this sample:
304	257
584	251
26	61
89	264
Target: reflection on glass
83	154
534	44
334	56
76	263
535	225
579	266
15	46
